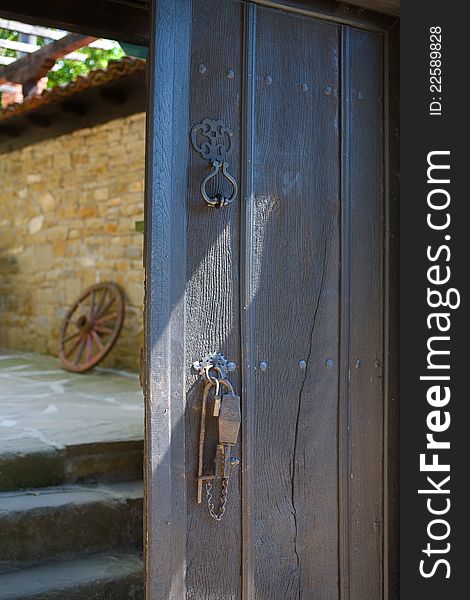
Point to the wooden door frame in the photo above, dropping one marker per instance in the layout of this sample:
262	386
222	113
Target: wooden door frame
128	20
165	219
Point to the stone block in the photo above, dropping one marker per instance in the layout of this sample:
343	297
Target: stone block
45	296
33	178
101	194
42	257
111	227
136	186
133	252
122	265
80	158
57	232
88	261
86	212
88	277
47	201
135	293
35	224
131	209
73	288
62	161
59	248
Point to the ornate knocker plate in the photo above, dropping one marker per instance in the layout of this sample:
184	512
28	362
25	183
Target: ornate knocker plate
212	139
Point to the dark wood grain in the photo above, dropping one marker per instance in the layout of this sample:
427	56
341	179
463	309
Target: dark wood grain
126	22
389	7
366	403
212	295
293	271
247	329
165	284
343	13
295	307
344	341
392	319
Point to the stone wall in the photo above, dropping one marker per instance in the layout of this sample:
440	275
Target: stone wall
68	208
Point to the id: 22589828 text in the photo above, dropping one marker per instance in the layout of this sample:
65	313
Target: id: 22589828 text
435	71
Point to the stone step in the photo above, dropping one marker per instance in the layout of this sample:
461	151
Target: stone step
27	463
110	576
66	521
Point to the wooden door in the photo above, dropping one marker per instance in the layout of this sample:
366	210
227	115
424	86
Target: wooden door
288	282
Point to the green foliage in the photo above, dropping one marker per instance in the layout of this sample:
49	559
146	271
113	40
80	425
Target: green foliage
5	34
69	70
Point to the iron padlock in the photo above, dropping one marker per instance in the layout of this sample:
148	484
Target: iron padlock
224	461
229	419
216	405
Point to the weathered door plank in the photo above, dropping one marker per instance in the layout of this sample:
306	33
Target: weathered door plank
295	307
165	264
365	194
212	293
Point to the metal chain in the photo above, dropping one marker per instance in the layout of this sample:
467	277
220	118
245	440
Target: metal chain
223	499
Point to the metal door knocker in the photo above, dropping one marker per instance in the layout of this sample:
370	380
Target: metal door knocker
226	409
212	139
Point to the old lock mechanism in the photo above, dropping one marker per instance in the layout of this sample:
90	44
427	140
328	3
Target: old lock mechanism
226	409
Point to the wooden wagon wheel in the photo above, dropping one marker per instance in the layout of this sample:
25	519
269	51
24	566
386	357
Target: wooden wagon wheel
91	327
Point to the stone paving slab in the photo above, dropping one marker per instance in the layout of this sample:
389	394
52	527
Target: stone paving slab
53	497
66	521
44	407
112	576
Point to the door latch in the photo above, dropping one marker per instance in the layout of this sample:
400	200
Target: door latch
226	409
213	140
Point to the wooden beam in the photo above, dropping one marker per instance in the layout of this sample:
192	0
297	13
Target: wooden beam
19	46
75	56
6	60
8	88
110	19
28	47
39	120
103	44
36	65
46	32
389	7
73	107
11	131
114	96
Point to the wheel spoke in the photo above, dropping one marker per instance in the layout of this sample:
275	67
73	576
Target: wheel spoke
70	337
96	339
80	352
103	329
74	346
92	309
107	317
100	304
88	347
105	309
